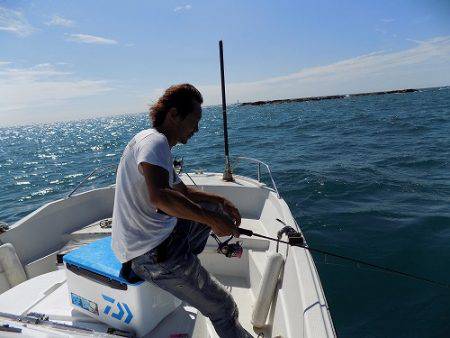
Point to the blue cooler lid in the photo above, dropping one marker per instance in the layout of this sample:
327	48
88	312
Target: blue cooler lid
97	260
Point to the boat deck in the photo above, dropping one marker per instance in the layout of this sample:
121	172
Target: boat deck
49	294
296	304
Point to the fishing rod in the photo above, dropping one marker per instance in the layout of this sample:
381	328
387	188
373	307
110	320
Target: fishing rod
296	239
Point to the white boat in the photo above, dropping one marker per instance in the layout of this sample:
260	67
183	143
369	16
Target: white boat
277	297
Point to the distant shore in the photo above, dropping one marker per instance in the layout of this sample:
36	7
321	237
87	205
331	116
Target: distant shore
330	97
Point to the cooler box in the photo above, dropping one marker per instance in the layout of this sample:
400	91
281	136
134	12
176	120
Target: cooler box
97	289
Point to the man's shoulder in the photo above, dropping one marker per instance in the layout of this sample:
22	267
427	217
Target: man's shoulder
149	142
150	135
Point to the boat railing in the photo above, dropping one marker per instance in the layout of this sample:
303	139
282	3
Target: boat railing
95	171
236	158
258	170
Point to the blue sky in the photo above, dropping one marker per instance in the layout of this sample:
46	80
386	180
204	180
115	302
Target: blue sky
64	60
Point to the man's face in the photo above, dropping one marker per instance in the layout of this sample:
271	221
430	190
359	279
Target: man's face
189	126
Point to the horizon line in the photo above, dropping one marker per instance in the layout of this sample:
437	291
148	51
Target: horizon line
248	103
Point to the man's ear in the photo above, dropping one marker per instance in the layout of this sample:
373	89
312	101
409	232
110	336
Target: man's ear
172	113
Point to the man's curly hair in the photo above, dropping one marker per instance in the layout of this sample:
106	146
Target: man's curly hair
180	96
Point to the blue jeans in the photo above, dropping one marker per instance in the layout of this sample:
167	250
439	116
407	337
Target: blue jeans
173	266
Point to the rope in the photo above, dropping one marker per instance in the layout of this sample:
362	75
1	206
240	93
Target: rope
105	223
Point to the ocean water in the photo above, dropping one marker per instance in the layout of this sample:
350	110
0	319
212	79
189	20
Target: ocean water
367	177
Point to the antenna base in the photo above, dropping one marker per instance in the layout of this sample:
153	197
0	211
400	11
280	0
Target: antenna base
227	173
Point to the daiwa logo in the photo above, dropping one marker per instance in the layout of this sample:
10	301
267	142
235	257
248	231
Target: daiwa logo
120	306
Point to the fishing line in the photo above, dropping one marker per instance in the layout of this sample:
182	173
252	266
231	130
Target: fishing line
299	242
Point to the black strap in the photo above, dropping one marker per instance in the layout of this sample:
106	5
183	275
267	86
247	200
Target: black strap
128	273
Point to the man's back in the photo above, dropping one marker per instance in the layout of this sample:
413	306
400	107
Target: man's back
136	226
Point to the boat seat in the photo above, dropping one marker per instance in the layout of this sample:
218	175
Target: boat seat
11	269
88	234
98	288
97	261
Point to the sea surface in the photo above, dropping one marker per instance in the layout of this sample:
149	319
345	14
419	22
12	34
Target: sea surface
367	177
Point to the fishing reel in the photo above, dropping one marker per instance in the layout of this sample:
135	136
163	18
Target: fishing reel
3	227
228	249
231	249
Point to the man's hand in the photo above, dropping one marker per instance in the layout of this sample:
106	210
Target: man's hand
221	224
230	209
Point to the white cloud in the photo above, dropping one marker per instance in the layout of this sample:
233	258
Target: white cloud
14	22
426	64
182	8
86	38
60	21
415	41
48	92
40	71
389	20
43	85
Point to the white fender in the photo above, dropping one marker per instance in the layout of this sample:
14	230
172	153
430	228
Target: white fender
267	289
11	266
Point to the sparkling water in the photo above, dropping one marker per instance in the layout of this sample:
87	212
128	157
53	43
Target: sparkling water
367	177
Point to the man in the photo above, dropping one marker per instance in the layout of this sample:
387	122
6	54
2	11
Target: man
160	225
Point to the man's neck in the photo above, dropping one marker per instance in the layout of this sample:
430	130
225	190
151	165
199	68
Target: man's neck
169	134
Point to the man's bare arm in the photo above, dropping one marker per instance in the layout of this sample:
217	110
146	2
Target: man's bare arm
177	204
197	195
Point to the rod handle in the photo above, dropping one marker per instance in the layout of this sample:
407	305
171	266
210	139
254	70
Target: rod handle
245	232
